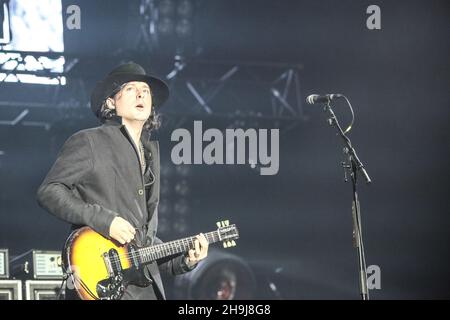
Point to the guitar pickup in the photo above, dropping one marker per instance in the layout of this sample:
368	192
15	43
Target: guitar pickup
108	264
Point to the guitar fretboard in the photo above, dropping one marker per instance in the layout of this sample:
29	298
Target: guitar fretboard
159	251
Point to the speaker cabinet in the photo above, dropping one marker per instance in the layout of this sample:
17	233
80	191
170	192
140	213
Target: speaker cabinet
10	290
4	264
43	290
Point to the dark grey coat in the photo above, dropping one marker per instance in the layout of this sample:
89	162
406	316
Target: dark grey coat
97	177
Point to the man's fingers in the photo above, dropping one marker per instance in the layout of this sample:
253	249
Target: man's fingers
121	240
121	230
126	231
124	224
131	228
204	245
203	241
126	235
197	248
200	250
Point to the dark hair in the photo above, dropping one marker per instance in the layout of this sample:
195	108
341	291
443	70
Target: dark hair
105	113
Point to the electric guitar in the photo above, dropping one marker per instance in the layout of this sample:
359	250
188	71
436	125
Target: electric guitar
102	269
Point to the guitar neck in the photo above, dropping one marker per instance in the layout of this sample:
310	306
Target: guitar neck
160	251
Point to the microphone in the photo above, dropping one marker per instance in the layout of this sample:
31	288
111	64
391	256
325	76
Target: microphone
315	98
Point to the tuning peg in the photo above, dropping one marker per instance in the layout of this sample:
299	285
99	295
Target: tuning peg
227	222
225	244
233	243
218	224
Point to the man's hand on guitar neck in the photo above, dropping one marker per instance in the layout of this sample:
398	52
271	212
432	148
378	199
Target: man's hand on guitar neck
121	230
199	252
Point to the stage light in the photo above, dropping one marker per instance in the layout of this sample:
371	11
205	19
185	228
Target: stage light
182	188
165	186
184	28
42	32
5	31
182	170
185	9
166	8
181	207
180	225
169	28
164	223
164	207
163	226
166	170
222	276
166	26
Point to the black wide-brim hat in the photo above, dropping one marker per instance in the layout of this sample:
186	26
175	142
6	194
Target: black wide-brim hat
126	73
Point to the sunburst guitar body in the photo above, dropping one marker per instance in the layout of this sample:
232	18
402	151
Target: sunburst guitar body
100	268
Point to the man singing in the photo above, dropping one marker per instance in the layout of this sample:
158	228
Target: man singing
108	177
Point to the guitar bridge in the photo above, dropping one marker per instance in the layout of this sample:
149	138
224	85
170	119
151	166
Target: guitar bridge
108	264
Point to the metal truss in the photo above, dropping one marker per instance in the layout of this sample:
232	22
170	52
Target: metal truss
215	89
14	65
28	114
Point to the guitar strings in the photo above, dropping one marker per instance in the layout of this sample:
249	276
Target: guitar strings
190	241
138	253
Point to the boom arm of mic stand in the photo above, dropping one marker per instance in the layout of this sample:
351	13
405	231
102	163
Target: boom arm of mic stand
350	150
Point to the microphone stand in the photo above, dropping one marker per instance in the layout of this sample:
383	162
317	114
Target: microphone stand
353	165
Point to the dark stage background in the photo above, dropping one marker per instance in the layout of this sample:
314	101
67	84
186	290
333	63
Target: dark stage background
296	226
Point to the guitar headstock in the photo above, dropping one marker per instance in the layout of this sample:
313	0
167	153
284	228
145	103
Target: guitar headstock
227	233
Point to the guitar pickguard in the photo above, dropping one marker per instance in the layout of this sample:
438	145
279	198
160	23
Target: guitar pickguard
113	287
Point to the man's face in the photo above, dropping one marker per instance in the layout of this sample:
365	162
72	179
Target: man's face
133	102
